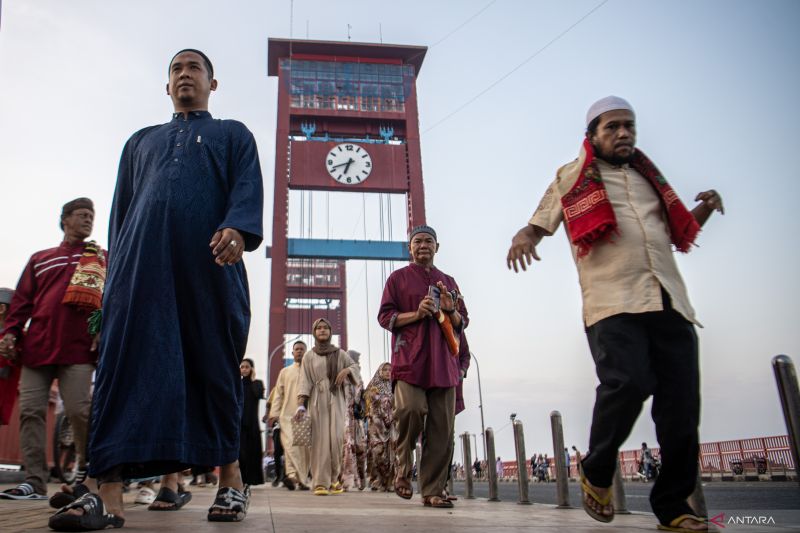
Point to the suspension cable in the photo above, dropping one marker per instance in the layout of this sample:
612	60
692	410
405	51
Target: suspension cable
366	284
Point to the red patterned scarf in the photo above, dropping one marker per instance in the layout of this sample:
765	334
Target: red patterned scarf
85	288
590	218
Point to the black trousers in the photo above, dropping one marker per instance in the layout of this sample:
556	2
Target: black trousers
638	355
278	453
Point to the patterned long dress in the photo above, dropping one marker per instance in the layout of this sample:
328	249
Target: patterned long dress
382	435
354	440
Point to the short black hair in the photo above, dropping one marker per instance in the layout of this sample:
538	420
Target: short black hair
209	66
299	342
248	360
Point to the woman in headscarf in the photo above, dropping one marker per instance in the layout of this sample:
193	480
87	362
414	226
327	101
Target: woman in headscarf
325	369
250	439
381	435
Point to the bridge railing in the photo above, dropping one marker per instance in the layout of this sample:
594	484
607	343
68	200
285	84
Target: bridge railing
741	456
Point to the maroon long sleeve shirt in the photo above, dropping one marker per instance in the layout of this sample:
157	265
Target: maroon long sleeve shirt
420	355
57	334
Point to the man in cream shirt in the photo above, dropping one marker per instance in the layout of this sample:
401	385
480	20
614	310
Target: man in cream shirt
284	405
623	220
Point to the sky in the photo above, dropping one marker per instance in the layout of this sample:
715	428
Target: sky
503	93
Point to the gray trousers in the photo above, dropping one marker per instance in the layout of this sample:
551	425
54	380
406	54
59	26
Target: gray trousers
74	383
432	411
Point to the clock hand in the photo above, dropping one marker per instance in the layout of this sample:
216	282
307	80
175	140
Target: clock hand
348	165
342	164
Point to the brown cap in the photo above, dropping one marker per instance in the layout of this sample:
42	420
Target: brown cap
77	203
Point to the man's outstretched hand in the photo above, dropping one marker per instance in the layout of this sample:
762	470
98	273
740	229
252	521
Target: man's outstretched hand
523	249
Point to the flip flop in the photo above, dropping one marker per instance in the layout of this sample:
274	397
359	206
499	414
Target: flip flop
62	498
145	496
673	525
166	495
588	490
23	491
94	516
437	501
400	484
321	491
230	499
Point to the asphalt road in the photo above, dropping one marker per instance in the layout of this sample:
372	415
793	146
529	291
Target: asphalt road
738	496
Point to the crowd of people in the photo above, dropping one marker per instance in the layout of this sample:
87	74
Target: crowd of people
168	307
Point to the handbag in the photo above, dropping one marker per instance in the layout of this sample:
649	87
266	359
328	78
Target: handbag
301	431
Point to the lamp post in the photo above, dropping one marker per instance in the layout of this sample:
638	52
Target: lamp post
269	359
480	403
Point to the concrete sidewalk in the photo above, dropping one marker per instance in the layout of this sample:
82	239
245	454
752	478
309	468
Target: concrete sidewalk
279	510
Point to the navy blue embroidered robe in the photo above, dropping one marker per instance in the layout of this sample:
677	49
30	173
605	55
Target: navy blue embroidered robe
168	390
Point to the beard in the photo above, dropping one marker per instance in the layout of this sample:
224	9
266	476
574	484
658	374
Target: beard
612	157
617	160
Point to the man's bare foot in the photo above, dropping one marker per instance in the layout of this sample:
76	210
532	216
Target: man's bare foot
693	525
169	481
111	494
229	476
606	510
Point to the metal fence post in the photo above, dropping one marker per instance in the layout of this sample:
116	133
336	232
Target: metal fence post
522	472
618	492
491	459
788	390
465	447
697	500
562	469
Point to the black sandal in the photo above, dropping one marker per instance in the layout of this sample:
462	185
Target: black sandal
94	516
230	499
166	495
62	498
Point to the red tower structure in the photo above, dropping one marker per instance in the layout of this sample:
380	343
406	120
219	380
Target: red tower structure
347	121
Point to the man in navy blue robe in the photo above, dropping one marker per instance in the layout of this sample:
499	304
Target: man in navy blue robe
176	312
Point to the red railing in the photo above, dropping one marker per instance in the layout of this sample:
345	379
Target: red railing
773	453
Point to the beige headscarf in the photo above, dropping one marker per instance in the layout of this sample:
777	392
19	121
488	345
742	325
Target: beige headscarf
326	348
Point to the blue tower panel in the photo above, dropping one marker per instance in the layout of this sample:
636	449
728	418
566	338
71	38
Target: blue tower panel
348	249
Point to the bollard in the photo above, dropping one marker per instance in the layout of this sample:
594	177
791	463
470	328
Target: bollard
788	390
491	459
562	469
522	472
467	466
697	500
618	492
417	458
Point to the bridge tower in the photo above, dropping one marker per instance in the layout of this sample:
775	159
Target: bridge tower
347	121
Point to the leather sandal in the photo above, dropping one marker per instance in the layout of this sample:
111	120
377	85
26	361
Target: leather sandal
437	501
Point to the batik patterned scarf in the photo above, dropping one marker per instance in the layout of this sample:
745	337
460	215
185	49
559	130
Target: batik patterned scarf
589	216
377	386
85	289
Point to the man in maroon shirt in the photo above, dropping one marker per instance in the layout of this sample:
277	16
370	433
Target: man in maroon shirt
424	372
57	345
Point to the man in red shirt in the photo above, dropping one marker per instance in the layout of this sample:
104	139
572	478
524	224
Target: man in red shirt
424	371
56	345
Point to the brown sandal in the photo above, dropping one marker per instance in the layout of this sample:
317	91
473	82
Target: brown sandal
437	501
403	488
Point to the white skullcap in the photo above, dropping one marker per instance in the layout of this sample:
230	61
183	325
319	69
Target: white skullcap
609	103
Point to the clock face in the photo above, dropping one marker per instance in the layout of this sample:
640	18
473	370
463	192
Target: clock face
348	163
